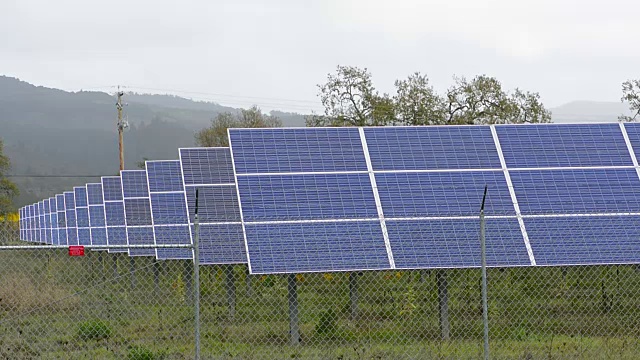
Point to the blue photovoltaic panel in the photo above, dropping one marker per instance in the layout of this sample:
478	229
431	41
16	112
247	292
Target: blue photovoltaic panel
141	236
633	132
53	215
585	240
207	166
137	212
62	222
171	235
454	243
96	216
80	196
94	194
164	176
112	188
114	212
431	147
72	230
577	191
47	221
82	215
216	204
117	235
222	244
316	247
443	194
84	236
134	183
42	228
169	209
306	197
297	150
554	145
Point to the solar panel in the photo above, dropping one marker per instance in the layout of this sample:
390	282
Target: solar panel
307	200
72	224
168	208
82	215
416	194
585	240
563	145
577	191
62	222
53	213
42	228
114	212
431	148
453	243
210	170
137	210
97	220
47	221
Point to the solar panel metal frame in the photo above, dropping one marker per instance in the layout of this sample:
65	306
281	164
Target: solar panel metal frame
129	228
115	227
62	220
507	170
203	224
169	254
84	232
94	229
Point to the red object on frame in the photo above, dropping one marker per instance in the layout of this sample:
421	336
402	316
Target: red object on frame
76	250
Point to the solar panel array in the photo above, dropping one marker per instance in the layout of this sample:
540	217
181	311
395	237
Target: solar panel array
339	199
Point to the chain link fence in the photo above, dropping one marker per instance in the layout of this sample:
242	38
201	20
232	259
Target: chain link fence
111	306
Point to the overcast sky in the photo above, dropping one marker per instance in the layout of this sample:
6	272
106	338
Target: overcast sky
271	52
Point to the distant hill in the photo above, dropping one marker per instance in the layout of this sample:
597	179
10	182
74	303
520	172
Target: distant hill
54	132
589	111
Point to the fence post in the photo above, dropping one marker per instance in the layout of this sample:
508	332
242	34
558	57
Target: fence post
353	294
230	281
196	279
483	259
443	302
294	329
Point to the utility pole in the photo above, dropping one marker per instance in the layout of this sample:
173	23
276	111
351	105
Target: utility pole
121	126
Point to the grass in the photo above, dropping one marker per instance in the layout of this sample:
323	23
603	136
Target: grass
53	306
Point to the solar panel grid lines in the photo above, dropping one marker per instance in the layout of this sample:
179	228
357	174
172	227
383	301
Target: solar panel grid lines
72	224
114	212
53	214
513	195
97	221
82	215
62	222
210	170
137	211
303	193
563	145
450	148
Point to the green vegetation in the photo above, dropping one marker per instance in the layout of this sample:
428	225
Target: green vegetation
631	95
8	190
53	306
93	330
350	99
216	134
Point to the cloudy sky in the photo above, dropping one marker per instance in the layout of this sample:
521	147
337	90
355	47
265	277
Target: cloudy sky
273	53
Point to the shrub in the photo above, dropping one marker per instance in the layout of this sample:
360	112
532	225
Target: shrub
94	330
141	353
